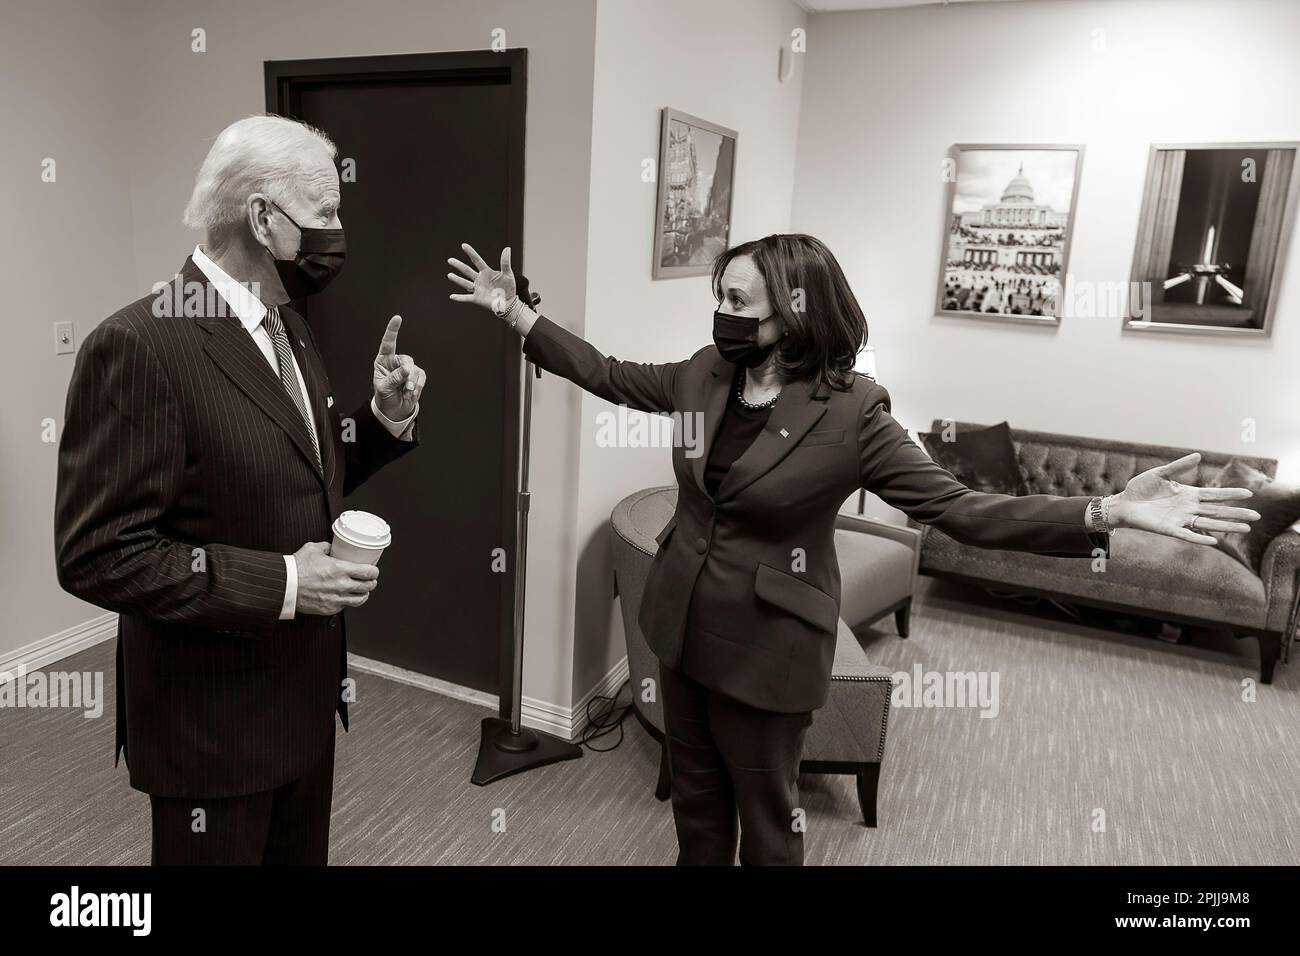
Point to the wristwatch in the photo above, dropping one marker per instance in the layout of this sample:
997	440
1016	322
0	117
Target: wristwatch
1099	513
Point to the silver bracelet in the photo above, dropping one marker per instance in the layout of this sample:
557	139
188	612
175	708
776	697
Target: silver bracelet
517	308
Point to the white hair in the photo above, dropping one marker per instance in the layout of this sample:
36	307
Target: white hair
266	154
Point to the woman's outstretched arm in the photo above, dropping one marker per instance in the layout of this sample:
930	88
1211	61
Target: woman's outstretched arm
646	388
896	469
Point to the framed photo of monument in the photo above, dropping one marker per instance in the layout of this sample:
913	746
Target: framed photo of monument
1009	218
696	172
1214	225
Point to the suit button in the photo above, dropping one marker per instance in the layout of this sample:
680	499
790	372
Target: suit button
701	545
334	620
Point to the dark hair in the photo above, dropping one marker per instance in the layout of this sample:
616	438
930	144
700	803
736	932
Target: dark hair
825	325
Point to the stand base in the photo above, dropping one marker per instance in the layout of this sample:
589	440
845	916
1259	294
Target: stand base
502	753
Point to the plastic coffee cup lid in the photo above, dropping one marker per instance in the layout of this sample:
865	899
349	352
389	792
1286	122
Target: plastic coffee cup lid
363	529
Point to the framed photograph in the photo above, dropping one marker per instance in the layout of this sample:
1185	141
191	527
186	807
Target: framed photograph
1215	220
1006	245
697	167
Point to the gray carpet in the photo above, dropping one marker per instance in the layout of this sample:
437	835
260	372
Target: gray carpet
1155	736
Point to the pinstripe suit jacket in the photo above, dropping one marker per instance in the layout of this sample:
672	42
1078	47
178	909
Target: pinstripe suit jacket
750	576
185	474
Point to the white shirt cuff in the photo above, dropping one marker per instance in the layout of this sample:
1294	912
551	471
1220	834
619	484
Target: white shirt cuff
396	429
290	605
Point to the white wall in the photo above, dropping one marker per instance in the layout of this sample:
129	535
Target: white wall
888	92
716	60
65	253
115	93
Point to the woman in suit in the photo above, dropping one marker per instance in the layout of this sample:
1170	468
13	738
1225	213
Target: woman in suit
742	600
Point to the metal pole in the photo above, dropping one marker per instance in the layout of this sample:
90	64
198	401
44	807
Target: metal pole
505	746
521	557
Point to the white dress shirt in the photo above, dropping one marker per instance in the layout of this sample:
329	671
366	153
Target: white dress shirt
250	311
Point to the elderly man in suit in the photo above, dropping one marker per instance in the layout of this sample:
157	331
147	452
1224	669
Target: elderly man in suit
201	466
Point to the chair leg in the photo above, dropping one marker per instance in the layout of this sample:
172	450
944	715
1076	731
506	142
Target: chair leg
1270	649
665	780
868	784
901	618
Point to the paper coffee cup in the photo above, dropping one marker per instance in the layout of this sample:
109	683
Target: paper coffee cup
360	537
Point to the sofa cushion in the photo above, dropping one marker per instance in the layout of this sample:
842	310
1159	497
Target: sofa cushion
1146	571
980	458
1278	506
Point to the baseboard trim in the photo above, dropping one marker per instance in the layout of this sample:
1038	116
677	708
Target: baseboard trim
72	640
566	723
411	678
569	723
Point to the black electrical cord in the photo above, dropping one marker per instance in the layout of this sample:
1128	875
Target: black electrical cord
605	722
1032	599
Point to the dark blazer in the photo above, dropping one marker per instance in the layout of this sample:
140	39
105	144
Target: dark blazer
753	572
185	474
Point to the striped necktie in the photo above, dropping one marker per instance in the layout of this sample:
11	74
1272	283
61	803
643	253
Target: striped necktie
284	356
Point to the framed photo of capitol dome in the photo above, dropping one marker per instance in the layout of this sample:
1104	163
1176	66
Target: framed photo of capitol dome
1006	241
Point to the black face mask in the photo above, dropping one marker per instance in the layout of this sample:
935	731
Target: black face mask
735	336
318	260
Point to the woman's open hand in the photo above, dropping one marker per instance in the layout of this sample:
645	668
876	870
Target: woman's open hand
491	288
1156	501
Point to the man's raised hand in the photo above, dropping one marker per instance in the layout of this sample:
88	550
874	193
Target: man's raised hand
398	380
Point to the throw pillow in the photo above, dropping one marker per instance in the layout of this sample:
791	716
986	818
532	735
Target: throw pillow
983	459
1278	506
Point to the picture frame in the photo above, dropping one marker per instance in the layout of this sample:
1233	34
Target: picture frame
1009	221
696	186
1215	223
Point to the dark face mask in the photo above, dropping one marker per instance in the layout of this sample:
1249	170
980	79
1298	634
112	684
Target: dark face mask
736	338
318	260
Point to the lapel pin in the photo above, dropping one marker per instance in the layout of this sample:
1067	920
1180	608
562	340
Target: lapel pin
329	401
784	433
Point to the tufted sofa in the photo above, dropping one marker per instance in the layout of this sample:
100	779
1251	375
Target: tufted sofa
1147	574
847	735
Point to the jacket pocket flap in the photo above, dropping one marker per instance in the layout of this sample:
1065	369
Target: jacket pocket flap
825	436
800	598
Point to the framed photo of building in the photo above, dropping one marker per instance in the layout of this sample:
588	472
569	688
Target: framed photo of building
697	168
1215	221
1006	241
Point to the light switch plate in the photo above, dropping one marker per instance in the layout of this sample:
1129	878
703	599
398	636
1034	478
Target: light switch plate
65	338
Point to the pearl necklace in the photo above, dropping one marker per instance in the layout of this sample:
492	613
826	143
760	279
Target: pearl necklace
740	395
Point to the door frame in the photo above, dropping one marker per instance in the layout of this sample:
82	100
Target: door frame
284	81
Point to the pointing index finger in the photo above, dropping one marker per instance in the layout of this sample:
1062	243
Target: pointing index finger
388	346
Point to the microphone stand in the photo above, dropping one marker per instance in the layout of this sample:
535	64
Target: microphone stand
505	746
